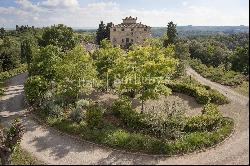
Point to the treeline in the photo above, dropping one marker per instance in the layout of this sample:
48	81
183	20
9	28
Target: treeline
230	50
16	46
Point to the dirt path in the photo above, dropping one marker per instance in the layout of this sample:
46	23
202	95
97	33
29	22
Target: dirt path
54	148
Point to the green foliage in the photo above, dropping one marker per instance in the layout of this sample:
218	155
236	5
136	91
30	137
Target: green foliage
182	50
210	119
210	53
10	73
105	60
240	60
2	32
103	32
144	70
171	34
9	140
26	52
75	74
9	54
79	113
115	137
180	70
58	35
218	74
44	62
165	122
202	94
22	157
94	116
34	88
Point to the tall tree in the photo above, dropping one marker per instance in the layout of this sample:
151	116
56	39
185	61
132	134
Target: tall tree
58	35
109	25
26	52
9	54
101	33
171	34
144	72
2	33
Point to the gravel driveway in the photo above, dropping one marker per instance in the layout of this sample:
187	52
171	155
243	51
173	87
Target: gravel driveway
54	148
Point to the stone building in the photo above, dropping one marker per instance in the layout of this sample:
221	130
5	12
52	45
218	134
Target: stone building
129	32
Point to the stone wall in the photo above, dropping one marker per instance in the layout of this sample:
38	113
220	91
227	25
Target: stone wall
126	35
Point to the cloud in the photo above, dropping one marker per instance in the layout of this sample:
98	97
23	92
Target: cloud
71	13
27	5
59	4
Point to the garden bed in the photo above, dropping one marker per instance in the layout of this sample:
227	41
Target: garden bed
126	130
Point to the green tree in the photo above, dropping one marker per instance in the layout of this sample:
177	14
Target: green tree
171	34
75	74
109	25
105	58
44	62
26	52
101	33
58	35
144	72
240	59
9	54
2	33
182	50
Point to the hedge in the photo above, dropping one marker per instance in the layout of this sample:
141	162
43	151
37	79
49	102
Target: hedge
7	74
218	74
202	94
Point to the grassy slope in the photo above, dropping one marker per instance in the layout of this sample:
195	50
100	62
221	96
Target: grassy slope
21	157
243	88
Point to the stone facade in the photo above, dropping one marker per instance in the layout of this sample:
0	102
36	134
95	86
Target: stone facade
129	32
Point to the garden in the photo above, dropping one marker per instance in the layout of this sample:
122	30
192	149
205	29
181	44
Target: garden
131	100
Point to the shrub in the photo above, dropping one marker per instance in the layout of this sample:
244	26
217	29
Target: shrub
35	87
218	74
77	115
217	97
13	72
56	111
209	120
160	121
202	94
94	116
83	104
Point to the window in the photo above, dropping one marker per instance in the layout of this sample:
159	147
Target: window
127	40
122	40
122	29
145	29
114	29
132	29
132	40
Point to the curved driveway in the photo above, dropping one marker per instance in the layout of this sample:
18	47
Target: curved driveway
54	148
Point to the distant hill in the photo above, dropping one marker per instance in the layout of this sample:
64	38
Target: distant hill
201	30
189	30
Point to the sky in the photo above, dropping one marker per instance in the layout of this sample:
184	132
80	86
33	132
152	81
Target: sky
155	13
